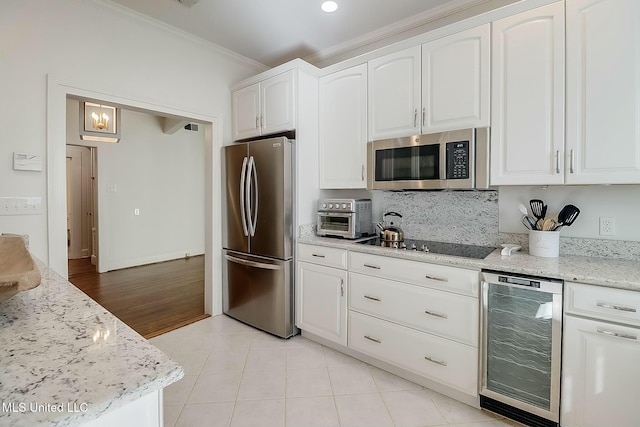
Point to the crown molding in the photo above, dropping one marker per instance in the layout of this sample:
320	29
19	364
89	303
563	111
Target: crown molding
391	32
125	12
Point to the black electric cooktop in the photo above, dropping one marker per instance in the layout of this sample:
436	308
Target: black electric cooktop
441	248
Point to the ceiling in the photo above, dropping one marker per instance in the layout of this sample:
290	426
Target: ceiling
272	32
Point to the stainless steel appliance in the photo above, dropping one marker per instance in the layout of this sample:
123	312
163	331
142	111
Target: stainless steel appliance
456	160
441	248
258	235
348	218
522	332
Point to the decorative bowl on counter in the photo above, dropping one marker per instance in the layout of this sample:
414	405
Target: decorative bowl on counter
18	271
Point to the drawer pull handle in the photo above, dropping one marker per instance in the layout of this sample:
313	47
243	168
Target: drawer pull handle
617	334
373	298
372	266
373	339
616	307
439	279
317	255
435	314
436	361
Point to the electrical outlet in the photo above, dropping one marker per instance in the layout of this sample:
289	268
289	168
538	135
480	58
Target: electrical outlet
607	226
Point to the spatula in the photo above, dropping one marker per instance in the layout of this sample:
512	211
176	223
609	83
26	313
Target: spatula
567	216
538	208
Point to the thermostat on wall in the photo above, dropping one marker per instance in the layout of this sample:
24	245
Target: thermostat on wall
27	162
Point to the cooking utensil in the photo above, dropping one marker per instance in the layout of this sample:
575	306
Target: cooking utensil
549	224
567	216
538	208
525	217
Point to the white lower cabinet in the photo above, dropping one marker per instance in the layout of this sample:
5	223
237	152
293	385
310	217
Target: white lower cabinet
600	368
441	360
441	313
420	318
321	295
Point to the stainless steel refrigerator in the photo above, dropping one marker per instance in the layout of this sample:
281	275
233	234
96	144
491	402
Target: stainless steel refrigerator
258	226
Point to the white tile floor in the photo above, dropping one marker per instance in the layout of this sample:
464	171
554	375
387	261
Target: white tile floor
238	376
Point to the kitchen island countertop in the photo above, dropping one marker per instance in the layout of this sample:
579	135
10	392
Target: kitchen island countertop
66	360
610	272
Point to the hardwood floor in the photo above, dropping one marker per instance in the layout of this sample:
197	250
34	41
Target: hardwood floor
151	299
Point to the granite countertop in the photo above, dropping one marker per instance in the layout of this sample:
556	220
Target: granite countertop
54	374
610	272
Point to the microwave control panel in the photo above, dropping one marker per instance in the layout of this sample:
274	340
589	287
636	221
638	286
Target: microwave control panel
458	160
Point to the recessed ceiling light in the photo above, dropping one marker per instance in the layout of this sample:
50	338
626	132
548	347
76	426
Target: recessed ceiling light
329	6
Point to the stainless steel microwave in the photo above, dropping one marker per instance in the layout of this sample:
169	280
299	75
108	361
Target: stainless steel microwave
456	159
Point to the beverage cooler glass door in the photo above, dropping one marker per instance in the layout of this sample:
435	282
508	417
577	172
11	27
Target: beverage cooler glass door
522	327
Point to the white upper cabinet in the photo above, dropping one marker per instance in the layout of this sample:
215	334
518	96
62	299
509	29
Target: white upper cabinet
455	81
246	112
603	91
343	128
441	85
394	94
527	102
264	108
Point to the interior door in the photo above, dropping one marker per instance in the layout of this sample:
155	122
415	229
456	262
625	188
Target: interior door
235	232
270	195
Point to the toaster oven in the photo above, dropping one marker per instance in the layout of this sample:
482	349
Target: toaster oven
346	218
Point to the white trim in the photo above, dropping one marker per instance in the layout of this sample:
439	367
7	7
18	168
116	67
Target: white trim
330	61
125	12
57	92
395	29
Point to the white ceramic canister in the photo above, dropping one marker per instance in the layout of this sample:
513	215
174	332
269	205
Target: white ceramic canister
544	243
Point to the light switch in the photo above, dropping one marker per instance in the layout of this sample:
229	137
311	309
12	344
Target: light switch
20	205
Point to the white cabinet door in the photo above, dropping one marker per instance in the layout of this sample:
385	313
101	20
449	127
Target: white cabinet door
447	362
527	120
603	91
278	103
343	128
455	81
264	108
246	112
600	374
321	307
394	94
440	313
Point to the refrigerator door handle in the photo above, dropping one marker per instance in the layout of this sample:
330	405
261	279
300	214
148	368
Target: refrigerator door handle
247	195
253	210
243	212
262	265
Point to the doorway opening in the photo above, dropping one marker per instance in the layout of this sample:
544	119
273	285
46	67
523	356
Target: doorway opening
58	94
149	270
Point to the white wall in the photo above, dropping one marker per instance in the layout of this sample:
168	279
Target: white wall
161	175
619	201
106	48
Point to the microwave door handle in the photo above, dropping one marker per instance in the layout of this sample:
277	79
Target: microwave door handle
243	213
443	160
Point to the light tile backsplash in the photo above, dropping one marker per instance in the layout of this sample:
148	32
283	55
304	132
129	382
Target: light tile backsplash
469	217
472	217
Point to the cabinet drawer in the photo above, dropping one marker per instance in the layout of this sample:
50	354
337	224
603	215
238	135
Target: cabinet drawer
451	279
439	359
331	257
616	305
442	313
